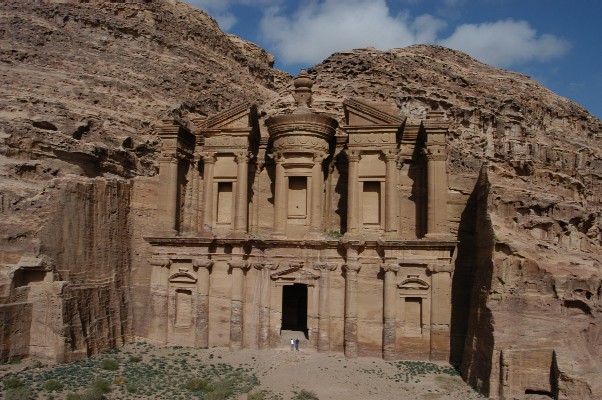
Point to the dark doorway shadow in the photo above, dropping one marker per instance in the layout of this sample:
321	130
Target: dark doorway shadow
294	308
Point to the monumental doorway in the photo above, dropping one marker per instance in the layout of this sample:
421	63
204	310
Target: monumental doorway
294	308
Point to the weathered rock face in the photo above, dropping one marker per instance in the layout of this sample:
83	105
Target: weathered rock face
84	84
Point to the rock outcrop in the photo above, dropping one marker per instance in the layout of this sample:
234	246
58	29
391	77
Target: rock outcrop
84	84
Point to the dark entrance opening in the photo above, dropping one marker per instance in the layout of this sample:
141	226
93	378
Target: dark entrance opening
294	308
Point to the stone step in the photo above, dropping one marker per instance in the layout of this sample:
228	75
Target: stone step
286	336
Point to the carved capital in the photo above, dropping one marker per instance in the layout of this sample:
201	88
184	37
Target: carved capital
242	157
326	266
390	155
353	155
201	263
266	266
435	153
242	264
160	262
319	158
389	267
208	158
434	268
352	267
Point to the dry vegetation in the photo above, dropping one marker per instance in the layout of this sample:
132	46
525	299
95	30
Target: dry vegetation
142	371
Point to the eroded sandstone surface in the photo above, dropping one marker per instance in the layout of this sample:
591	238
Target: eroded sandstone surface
84	86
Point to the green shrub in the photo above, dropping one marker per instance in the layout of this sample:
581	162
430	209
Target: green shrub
131	388
53	384
198	384
109	364
221	390
73	396
12	383
18	393
92	394
101	385
305	395
135	359
257	396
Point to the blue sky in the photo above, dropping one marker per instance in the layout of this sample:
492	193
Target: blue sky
556	42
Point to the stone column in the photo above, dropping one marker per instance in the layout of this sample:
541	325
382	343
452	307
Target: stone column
203	268
324	305
236	314
389	315
351	271
264	304
317	187
208	166
353	157
436	154
159	299
194	206
241	202
390	191
437	192
280	206
171	195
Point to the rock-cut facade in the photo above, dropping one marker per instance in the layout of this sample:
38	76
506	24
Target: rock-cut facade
294	223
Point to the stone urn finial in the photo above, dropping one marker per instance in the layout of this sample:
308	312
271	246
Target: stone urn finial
302	93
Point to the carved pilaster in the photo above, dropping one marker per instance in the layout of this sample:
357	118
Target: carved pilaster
209	160
390	195
159	299
324	305
351	270
238	268
203	268
317	179
353	158
264	303
389	317
242	183
280	200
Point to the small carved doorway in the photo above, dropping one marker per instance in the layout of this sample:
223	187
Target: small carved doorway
294	308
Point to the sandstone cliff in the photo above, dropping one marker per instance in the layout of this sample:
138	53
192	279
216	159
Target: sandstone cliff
84	84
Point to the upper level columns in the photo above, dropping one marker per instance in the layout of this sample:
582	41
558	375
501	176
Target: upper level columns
280	200
208	167
241	209
390	185
317	185
436	155
353	157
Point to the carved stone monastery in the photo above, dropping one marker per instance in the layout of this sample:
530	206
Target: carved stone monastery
340	232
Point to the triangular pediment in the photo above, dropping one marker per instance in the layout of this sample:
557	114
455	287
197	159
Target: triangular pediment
360	112
237	117
295	273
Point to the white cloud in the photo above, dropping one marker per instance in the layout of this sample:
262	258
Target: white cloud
317	29
505	43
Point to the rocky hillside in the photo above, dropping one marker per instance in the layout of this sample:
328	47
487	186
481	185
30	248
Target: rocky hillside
84	85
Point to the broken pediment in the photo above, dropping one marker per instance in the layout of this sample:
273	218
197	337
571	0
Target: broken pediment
295	273
359	112
182	277
238	117
413	283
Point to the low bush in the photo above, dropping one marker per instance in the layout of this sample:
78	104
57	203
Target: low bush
198	384
109	364
19	393
101	385
135	359
12	383
305	395
53	384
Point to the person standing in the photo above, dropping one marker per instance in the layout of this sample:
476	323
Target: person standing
297	344
292	344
